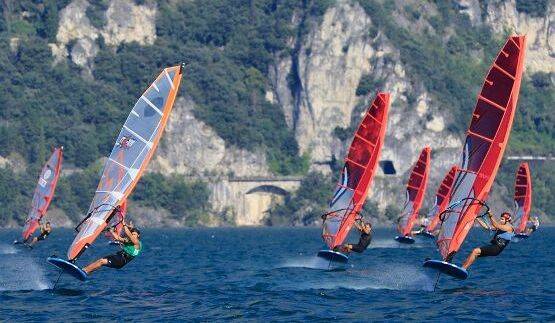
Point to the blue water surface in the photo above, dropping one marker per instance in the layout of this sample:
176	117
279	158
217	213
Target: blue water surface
271	274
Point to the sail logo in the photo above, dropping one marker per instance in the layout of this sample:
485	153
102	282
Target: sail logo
126	142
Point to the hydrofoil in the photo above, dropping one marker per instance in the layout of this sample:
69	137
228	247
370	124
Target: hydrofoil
447	268
427	234
405	239
519	237
68	268
333	256
21	243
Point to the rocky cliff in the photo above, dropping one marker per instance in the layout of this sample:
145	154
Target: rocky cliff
328	62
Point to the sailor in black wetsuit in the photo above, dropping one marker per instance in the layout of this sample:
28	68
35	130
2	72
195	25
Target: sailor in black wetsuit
365	229
504	231
44	232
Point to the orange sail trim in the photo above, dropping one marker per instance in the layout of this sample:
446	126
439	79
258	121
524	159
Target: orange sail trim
416	188
442	199
44	192
130	156
522	197
485	144
357	174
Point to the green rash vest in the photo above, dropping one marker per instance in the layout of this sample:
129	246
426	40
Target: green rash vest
129	248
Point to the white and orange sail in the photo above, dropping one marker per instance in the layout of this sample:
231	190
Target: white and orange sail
44	192
416	188
357	173
130	156
486	140
522	197
441	200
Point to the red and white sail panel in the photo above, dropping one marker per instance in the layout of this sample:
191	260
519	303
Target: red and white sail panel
357	173
442	199
485	144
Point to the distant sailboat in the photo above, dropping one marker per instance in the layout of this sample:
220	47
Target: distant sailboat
440	203
522	200
44	192
414	195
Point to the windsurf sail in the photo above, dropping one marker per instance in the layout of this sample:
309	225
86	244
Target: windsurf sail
414	194
486	139
130	156
357	173
523	197
43	192
442	199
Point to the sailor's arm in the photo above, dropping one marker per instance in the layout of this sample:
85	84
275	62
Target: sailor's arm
483	224
131	236
494	222
116	236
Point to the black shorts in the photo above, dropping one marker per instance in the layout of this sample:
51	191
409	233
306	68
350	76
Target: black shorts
362	244
118	260
42	237
491	250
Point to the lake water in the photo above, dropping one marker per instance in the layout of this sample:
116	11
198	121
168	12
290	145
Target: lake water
272	274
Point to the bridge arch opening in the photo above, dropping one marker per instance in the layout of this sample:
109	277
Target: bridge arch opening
272	189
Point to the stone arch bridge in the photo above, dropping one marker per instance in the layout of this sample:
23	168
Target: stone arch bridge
249	198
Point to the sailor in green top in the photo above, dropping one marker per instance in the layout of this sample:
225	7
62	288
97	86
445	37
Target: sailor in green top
131	248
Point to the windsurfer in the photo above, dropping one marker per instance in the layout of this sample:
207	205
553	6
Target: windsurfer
365	229
532	225
45	230
131	247
423	222
503	234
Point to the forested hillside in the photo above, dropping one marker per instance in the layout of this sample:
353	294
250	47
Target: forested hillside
233	47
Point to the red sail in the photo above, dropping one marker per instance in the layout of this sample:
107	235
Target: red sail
523	197
416	188
356	176
485	144
43	192
442	199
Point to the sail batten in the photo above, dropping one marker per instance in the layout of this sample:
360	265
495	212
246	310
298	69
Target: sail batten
132	152
484	146
357	173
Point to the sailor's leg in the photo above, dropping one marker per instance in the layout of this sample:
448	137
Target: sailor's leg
35	239
472	257
95	265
